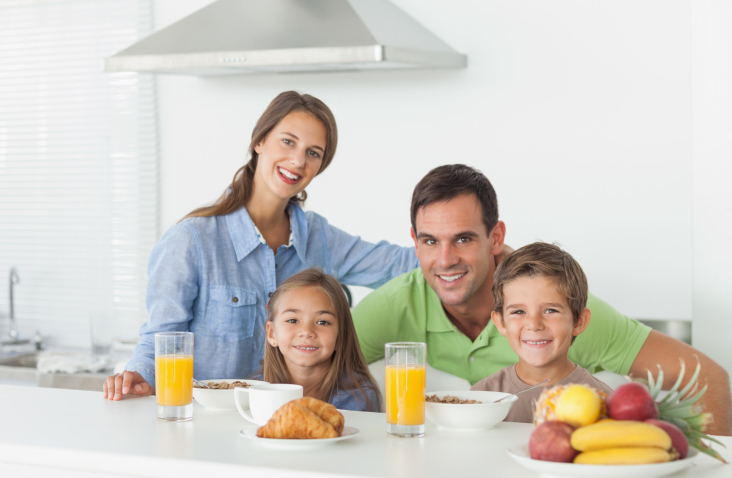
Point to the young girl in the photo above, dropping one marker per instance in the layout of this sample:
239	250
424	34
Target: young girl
311	341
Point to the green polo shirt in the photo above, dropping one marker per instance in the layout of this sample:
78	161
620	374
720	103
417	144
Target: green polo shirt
407	309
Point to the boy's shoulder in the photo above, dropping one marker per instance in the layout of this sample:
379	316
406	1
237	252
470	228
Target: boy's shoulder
584	377
505	380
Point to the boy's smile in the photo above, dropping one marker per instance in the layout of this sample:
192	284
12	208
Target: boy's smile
538	323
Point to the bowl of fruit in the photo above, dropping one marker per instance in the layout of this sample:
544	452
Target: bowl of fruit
467	410
580	431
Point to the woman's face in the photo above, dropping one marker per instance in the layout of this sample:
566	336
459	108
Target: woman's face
305	329
290	156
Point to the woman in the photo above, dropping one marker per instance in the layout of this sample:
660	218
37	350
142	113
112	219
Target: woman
213	273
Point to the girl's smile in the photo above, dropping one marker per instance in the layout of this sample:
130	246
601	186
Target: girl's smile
305	330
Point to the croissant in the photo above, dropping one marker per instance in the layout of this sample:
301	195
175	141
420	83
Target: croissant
327	412
305	417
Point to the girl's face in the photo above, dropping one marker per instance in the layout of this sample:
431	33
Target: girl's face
291	154
305	328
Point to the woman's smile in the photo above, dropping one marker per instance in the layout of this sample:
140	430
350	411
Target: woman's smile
288	176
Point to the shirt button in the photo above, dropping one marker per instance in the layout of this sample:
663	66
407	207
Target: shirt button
472	359
235	299
271	294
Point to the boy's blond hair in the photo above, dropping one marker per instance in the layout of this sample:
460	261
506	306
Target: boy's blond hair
541	259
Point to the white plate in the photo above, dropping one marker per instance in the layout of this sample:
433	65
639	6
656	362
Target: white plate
251	433
520	453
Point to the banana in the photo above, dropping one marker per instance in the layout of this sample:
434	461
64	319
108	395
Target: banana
619	434
624	456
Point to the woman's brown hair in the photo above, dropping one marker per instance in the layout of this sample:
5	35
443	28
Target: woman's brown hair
243	182
348	368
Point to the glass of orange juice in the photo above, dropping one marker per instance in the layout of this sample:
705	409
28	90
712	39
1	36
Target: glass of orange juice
174	375
404	384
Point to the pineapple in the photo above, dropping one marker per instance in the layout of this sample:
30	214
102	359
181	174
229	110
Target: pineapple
551	399
683	409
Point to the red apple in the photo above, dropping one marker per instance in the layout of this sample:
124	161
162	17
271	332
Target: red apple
550	441
631	401
678	439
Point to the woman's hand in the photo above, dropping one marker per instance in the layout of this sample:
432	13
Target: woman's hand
126	382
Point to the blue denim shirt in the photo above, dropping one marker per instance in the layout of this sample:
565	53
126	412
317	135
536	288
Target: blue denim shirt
353	400
212	276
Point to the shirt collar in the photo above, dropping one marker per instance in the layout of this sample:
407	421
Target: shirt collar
241	232
246	237
298	230
263	241
437	320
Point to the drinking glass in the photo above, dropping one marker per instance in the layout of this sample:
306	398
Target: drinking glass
100	329
174	375
405	384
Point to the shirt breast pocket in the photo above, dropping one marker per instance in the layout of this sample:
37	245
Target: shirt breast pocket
231	312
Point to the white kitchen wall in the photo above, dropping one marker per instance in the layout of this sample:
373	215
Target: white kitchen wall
578	111
712	176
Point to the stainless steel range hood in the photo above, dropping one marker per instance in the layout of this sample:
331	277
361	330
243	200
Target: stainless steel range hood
261	36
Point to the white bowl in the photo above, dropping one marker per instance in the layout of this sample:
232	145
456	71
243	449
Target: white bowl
222	399
469	416
520	453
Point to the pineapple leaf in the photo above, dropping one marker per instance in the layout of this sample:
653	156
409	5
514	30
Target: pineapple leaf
709	451
679	412
693	380
654	386
682	424
694	398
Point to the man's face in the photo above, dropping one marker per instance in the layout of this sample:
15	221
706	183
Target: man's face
455	251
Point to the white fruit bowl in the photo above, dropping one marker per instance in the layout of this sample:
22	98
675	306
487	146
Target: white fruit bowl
222	399
469	416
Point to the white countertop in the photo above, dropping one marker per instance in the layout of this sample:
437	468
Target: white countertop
77	433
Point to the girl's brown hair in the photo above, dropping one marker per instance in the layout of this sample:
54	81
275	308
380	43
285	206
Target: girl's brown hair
243	182
348	367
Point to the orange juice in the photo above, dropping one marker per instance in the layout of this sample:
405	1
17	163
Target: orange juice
174	379
405	395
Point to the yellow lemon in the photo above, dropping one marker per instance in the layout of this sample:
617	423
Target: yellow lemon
578	405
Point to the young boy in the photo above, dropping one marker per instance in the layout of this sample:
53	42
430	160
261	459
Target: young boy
540	295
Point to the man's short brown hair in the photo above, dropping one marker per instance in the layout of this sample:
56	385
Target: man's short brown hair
450	181
543	260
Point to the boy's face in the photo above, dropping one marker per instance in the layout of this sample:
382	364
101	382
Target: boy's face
537	321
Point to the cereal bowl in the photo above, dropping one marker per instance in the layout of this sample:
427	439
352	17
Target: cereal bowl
221	399
468	416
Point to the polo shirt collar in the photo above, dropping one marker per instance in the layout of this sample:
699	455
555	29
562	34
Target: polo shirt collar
244	235
437	320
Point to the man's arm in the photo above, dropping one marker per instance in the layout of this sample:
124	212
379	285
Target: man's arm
666	351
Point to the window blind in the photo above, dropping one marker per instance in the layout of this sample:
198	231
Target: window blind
78	167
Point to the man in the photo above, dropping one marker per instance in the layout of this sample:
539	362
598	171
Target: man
447	302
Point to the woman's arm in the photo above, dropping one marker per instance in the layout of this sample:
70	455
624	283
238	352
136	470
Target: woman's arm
354	261
172	287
